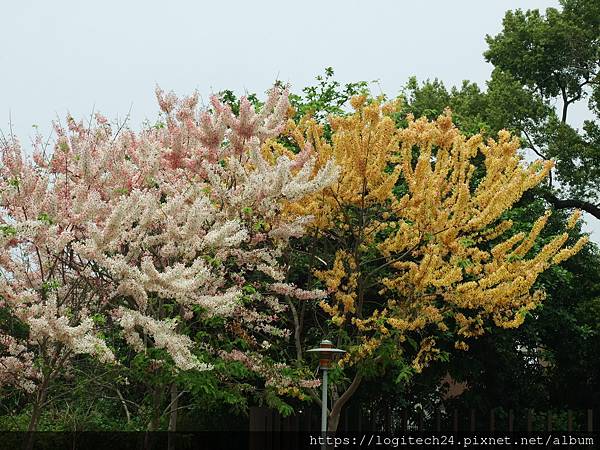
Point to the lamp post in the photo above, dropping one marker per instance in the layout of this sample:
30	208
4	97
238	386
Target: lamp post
326	354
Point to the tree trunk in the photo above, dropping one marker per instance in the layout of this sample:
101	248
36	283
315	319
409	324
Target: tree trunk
336	408
334	421
155	421
36	413
173	416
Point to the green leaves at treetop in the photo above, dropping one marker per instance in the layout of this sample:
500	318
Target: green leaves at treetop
553	59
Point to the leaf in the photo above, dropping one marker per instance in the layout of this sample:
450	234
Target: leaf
405	375
8	230
44	217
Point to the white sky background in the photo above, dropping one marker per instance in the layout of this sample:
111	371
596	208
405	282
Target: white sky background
58	56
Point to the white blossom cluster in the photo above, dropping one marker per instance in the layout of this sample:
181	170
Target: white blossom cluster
146	231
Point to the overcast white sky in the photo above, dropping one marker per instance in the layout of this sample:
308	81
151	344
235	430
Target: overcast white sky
108	55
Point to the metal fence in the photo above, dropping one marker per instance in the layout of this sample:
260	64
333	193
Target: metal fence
388	420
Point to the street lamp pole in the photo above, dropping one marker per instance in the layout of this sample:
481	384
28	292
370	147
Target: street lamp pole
326	353
324	404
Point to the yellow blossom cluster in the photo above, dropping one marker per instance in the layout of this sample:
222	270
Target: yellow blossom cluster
361	145
341	282
418	211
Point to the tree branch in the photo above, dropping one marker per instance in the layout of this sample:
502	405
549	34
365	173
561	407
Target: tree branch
348	393
588	207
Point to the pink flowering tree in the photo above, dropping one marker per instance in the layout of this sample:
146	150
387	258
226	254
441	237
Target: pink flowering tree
48	294
118	237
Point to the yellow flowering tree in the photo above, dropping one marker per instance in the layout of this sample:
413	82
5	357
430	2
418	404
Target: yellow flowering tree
421	249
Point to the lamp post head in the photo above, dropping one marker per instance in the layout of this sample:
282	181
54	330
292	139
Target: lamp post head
326	353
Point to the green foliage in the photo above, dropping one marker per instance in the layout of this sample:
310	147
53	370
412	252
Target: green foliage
554	53
229	98
542	59
8	230
327	97
45	218
274	401
469	105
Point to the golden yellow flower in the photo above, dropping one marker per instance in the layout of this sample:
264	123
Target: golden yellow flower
419	233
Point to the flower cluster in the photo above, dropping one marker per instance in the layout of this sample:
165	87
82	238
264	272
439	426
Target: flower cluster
278	376
428	250
16	365
146	231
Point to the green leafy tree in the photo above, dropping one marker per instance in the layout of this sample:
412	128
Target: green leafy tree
554	58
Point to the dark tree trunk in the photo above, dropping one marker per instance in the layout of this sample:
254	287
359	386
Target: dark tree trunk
155	421
336	409
36	413
173	416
